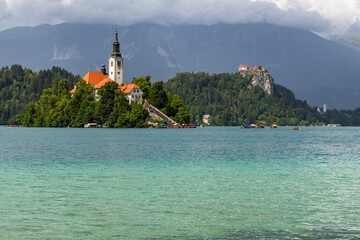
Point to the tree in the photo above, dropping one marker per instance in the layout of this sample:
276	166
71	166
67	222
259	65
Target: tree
182	116
105	105
120	115
157	95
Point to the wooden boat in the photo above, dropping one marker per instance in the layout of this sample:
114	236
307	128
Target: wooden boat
273	126
295	128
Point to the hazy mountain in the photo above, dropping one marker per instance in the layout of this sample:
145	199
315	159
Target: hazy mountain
313	67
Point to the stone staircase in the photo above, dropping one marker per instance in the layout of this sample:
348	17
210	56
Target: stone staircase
154	111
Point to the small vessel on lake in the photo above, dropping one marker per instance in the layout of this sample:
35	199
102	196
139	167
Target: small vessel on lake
296	128
161	125
273	126
91	125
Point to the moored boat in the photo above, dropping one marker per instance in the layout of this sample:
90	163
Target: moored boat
161	125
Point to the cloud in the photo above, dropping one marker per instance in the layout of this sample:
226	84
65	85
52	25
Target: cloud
322	16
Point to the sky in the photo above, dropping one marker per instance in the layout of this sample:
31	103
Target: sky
326	17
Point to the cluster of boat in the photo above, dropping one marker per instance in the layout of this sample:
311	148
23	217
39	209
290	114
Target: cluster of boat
190	125
257	126
262	126
11	126
163	125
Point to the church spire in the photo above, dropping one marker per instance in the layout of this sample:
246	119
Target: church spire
116	45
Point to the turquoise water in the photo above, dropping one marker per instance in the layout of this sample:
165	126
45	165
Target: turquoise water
203	183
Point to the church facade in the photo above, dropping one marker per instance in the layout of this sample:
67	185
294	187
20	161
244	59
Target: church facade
116	74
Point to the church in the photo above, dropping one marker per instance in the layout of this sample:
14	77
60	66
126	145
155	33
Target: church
116	74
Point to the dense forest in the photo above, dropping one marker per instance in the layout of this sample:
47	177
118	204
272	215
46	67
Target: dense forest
42	99
56	108
20	86
229	100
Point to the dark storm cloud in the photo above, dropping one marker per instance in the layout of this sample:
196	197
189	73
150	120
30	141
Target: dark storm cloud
294	13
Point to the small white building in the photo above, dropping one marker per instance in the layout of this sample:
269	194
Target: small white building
243	68
133	92
206	119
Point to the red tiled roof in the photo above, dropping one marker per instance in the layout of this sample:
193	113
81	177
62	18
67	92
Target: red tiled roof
97	80
243	66
103	82
127	88
94	78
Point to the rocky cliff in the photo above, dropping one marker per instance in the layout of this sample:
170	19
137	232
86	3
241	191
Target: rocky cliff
259	78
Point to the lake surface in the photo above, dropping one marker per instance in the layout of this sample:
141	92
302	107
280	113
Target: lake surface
203	183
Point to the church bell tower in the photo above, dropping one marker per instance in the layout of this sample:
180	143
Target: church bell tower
116	62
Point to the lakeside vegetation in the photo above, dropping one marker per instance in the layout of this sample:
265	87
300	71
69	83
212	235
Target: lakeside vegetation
229	100
42	99
56	108
20	86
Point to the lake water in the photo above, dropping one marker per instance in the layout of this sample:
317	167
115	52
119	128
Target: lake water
203	183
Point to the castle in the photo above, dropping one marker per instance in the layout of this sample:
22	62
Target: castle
246	68
259	77
116	74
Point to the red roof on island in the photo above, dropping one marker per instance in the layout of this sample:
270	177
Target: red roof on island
102	83
127	88
94	78
98	80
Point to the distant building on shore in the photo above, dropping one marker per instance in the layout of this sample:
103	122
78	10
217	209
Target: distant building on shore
116	74
206	119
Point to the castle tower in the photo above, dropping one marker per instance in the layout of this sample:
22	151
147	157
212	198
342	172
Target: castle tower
116	62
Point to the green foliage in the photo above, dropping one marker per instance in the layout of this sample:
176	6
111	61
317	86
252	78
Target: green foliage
106	103
57	109
20	86
175	109
229	100
157	95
